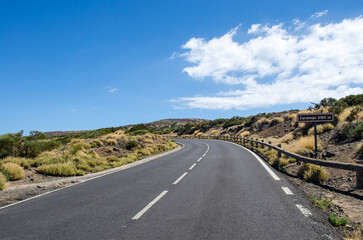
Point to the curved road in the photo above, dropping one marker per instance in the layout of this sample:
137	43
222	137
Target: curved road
208	190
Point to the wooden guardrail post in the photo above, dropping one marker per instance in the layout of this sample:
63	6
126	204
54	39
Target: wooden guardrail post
262	146
278	152
269	147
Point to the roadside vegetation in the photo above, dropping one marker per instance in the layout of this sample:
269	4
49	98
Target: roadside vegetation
75	156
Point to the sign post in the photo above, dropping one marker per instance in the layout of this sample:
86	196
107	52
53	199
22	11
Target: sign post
315	118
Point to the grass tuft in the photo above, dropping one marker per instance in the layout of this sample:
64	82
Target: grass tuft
18	160
58	169
3	181
312	173
337	221
13	171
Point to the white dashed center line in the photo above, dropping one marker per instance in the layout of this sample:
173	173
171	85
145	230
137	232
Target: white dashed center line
137	216
287	191
192	166
304	210
180	178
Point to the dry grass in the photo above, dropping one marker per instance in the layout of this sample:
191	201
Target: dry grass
301	145
262	121
147	140
110	142
287	138
278	119
245	134
321	128
95	143
58	169
356	234
13	171
214	132
3	182
312	173
18	160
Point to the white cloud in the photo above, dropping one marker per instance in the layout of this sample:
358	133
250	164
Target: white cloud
278	66
111	89
319	14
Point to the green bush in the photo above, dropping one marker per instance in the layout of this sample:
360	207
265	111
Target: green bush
351	131
95	143
10	144
337	221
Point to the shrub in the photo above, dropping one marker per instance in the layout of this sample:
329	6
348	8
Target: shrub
23	162
287	138
108	150
9	144
245	134
276	120
337	221
312	173
131	144
280	163
95	143
59	169
320	201
2	181
147	140
111	142
351	131
13	171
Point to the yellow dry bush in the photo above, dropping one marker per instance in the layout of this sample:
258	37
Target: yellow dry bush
245	134
345	114
147	140
3	182
312	173
150	136
321	128
293	116
199	134
287	138
196	132
110	142
262	121
108	150
95	143
18	160
278	119
58	169
214	132
306	111
93	154
13	170
301	125
303	144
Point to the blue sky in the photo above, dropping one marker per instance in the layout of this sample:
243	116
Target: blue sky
74	65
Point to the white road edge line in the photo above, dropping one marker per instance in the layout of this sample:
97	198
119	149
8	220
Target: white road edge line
273	175
137	216
304	210
180	178
287	191
192	166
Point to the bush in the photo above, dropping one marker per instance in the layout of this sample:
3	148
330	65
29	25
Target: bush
245	134
321	128
337	221
2	181
312	173
280	163
95	143
131	144
23	162
111	142
59	169
10	144
351	131
13	171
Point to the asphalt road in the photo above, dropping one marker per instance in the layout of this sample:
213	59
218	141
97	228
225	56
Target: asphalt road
208	190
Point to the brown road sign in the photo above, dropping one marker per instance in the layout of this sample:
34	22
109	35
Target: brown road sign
315	117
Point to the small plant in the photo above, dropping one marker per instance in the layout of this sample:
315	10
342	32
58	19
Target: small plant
337	221
13	171
280	163
131	144
320	201
312	173
355	234
18	160
2	181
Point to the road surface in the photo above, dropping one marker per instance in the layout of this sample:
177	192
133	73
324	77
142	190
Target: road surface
208	190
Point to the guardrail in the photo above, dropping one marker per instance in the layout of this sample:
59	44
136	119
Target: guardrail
358	168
